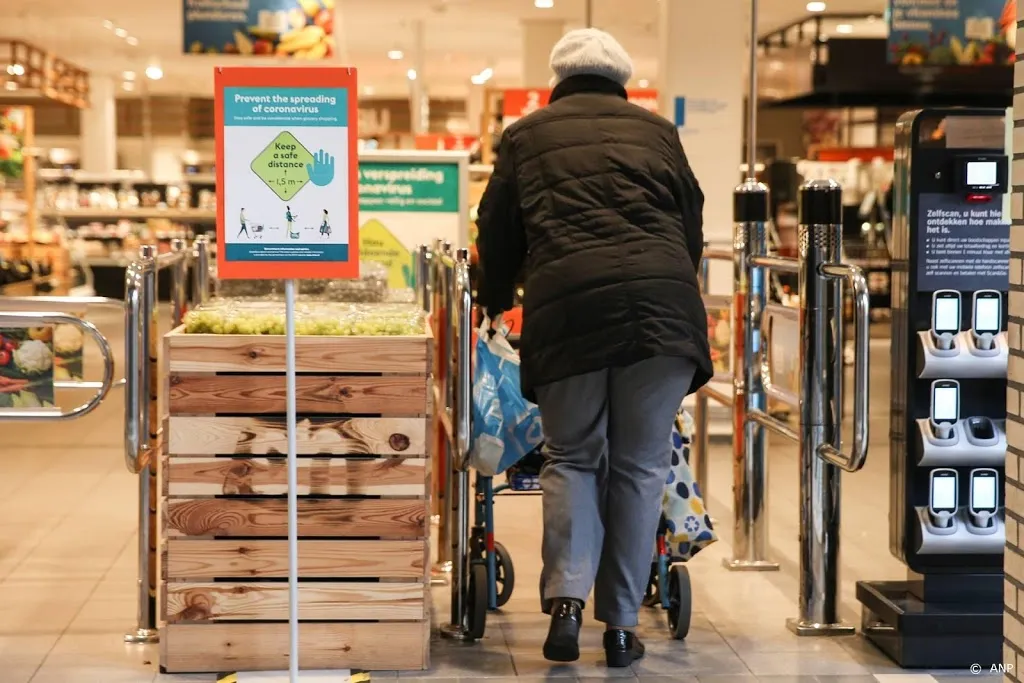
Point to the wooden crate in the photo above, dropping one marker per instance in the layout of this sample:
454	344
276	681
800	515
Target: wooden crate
364	482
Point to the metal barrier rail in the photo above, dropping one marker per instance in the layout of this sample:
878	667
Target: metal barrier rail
821	279
142	424
42	319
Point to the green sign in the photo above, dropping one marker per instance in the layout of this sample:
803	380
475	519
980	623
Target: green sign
283	166
409	187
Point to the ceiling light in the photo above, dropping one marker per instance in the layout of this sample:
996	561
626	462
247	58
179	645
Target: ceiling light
644	83
487	73
128	86
411	73
108	24
395	54
543	4
154	73
16	69
11	85
368	90
120	33
815	7
844	28
132	40
129	75
476	80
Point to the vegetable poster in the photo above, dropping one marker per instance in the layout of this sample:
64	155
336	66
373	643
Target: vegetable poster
952	32
12	140
403	203
288	155
299	29
26	368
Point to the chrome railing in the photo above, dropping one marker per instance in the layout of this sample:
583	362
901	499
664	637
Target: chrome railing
142	423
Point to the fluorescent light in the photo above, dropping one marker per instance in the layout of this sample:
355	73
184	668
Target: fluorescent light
815	7
395	54
487	73
644	83
476	80
129	75
543	4
154	73
132	40
120	33
844	28
108	24
411	73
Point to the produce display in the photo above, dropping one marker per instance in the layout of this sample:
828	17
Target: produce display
26	367
370	287
311	319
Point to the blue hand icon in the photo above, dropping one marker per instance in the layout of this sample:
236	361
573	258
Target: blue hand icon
321	171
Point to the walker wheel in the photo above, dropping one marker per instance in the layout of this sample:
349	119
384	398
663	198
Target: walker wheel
680	601
504	574
476	601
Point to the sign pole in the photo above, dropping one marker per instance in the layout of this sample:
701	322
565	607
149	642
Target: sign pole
293	515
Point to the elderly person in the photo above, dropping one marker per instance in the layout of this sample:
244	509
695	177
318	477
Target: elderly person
593	203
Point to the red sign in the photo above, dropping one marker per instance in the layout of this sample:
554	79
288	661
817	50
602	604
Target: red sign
519	103
454	143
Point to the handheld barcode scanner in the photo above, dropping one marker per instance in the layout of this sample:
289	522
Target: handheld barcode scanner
945	318
987	318
945	409
942	497
984	497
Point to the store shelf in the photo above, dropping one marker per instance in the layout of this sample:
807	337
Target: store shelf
177	215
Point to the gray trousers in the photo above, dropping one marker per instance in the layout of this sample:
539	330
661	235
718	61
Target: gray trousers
607	436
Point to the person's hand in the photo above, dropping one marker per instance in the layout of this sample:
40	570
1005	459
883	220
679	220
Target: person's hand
495	325
321	171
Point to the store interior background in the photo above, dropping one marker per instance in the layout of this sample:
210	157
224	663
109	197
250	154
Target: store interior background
432	74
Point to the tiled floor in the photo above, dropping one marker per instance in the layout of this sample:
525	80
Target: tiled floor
67	576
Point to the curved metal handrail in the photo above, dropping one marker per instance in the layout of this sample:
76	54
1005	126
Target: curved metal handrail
40	319
462	300
854	278
133	399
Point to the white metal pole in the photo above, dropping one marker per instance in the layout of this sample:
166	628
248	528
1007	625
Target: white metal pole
293	517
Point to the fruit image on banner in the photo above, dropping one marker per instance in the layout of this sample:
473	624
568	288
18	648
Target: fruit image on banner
953	32
299	29
12	140
403	204
377	244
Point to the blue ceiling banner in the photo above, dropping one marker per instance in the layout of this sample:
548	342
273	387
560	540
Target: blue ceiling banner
952	32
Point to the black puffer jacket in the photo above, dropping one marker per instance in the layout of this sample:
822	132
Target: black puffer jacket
593	200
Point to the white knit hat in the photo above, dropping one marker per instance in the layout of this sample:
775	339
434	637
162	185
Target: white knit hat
590	52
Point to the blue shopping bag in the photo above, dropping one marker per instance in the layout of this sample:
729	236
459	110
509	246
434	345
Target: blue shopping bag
505	425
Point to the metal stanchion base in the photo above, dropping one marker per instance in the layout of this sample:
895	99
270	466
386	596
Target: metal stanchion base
810	628
750	565
454	632
142	636
441	574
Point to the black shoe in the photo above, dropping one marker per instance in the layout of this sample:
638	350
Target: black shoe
563	644
622	648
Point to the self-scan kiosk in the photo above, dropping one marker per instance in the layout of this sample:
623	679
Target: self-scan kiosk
950	270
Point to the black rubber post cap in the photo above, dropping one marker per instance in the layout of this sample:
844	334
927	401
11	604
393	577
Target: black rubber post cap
750	202
821	203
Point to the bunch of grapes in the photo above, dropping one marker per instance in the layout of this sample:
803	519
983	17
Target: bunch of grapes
320	320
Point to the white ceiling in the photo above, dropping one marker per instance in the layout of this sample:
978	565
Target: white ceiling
462	37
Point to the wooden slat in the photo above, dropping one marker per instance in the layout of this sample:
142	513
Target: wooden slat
339	394
201	648
316	476
233	601
318	517
260	353
403	436
208	559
